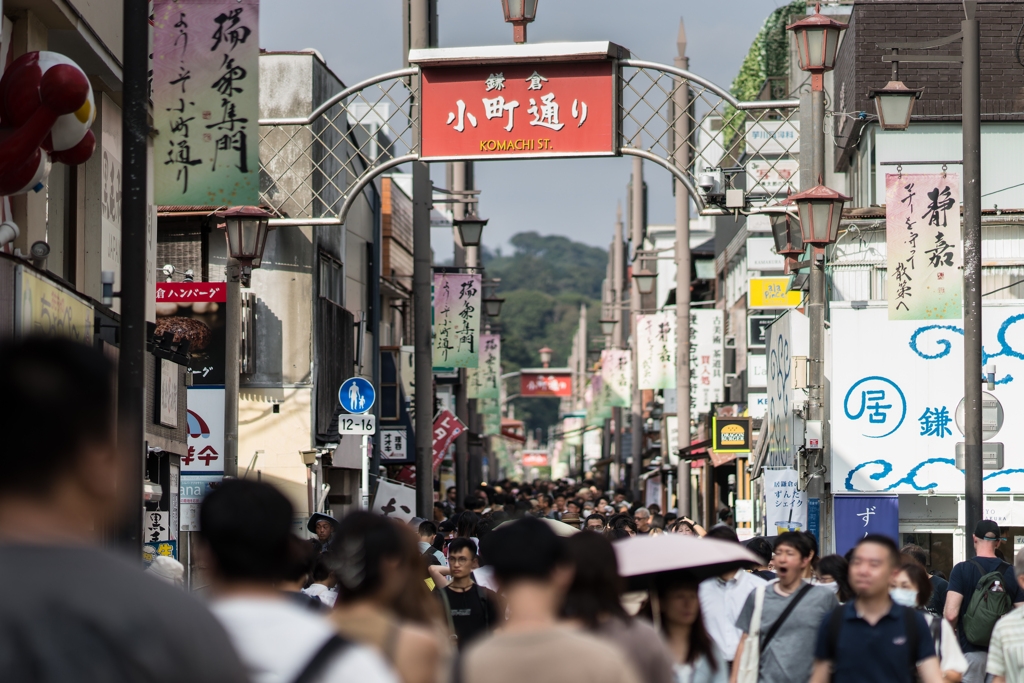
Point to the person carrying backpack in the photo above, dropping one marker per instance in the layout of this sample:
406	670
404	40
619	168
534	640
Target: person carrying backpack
871	638
980	591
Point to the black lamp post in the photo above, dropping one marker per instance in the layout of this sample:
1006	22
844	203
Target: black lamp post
820	209
492	306
645	280
519	13
894	103
471	228
247	228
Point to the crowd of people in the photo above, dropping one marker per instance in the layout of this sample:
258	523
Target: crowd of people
519	582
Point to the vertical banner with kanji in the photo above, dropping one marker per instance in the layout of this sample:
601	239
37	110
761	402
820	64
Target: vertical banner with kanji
446	428
785	505
656	350
707	349
456	320
922	224
206	102
485	380
617	373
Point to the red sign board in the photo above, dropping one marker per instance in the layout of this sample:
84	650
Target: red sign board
446	428
192	292
520	110
545	384
535	459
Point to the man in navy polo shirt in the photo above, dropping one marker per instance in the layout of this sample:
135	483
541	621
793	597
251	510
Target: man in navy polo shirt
868	638
962	582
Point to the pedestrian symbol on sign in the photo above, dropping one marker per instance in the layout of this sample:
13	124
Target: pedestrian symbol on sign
356	395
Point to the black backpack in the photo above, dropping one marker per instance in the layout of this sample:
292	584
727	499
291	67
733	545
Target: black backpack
835	625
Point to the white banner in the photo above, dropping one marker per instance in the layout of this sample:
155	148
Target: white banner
707	348
785	507
617	377
394	500
656	345
896	386
787	338
205	431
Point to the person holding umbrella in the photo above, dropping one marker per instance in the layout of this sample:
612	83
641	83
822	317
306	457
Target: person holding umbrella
694	655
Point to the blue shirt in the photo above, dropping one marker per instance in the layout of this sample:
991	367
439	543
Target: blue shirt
963	579
873	653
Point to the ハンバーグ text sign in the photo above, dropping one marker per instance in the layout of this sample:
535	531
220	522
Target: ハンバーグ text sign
528	110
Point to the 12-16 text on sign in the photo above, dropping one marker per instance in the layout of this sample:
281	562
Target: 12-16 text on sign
357	424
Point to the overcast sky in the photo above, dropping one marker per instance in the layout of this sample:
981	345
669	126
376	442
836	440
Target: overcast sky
575	198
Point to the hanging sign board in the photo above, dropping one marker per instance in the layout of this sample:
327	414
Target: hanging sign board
525	103
545	383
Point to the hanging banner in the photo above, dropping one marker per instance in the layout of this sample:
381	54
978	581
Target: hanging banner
617	375
206	102
535	458
656	349
196	312
488	406
492	424
785	506
922	225
205	431
545	383
446	428
394	500
456	320
858	516
707	350
787	338
485	380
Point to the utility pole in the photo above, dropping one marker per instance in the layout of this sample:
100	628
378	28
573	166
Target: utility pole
457	184
131	371
582	347
233	334
422	191
971	121
681	129
618	301
635	408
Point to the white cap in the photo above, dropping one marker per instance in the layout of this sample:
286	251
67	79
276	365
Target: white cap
168	569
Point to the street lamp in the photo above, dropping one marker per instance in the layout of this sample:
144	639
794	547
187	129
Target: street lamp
608	326
894	103
470	229
519	13
820	209
788	240
545	356
492	306
645	281
247	228
817	41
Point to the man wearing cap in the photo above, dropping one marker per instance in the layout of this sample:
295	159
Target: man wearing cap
323	526
962	582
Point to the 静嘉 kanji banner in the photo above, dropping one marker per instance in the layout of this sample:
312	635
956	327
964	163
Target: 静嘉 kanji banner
617	376
456	320
922	225
485	379
206	102
656	350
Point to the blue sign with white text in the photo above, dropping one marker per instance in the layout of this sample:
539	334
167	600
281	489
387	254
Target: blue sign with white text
356	395
858	516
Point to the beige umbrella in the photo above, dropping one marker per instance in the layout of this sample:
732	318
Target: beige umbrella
559	528
642	558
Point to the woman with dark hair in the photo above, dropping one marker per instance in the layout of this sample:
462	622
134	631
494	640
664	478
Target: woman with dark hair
466	525
694	655
382	599
593	601
911	587
833	574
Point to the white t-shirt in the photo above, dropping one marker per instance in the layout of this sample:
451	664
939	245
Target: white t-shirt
275	639
326	595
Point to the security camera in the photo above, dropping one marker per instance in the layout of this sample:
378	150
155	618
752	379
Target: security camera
39	251
710	183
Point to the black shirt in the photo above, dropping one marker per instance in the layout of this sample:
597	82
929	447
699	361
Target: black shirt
964	579
474	612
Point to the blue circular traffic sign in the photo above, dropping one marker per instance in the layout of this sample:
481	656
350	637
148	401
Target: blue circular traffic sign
356	395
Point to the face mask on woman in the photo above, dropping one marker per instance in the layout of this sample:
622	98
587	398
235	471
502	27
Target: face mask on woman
903	596
833	586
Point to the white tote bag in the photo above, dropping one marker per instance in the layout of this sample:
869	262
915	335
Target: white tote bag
750	660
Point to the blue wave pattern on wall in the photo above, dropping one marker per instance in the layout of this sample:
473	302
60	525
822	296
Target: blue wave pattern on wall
910	478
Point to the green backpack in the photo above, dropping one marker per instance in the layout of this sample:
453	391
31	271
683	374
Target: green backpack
988	602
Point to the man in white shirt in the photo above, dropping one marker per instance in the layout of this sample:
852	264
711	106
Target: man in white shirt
722	599
244	540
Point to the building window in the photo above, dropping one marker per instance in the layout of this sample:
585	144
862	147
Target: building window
332	279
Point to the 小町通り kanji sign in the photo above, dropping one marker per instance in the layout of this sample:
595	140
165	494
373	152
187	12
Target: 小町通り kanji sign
533	109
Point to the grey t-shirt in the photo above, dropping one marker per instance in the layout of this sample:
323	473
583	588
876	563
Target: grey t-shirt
81	614
790	654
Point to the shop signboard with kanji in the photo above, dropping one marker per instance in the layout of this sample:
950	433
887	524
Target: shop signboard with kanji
656	350
456	320
545	383
205	431
513	106
894	410
707	355
923	248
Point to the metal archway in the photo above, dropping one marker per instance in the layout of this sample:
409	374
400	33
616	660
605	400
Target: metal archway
313	167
